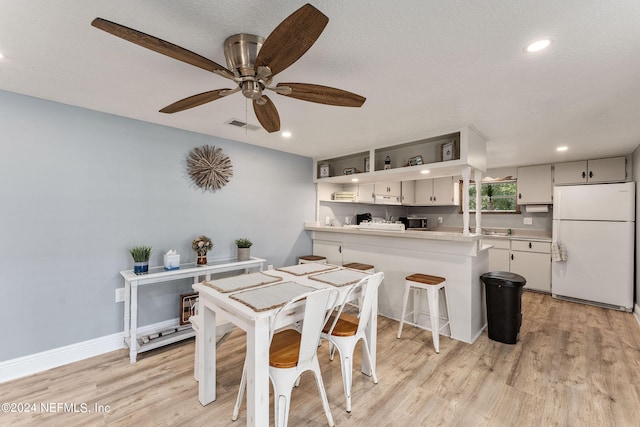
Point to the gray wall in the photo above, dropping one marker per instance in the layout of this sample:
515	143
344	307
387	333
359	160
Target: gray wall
78	188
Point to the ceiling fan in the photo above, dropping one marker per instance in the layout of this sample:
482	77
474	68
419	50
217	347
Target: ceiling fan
252	63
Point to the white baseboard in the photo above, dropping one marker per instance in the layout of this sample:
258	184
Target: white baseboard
38	362
636	312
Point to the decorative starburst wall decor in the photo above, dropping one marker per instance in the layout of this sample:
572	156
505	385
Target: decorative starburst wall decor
209	168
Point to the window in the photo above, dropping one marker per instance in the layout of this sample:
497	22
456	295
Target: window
498	196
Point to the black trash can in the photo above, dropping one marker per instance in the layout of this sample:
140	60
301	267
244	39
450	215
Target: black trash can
504	305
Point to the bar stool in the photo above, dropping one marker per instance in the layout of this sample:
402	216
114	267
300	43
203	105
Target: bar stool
367	268
312	258
432	284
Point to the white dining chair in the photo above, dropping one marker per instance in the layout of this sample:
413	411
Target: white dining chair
292	353
344	330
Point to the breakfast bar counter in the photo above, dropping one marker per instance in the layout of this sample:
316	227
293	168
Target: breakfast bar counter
460	259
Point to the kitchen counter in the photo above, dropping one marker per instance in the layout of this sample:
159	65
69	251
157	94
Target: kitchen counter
447	253
450	233
439	233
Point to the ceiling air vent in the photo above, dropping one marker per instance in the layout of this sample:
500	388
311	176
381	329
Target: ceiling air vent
240	124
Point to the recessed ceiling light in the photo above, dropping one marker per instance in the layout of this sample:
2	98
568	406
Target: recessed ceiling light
354	179
286	134
563	148
1	55
425	171
538	45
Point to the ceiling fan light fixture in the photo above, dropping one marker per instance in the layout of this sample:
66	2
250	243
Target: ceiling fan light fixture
252	89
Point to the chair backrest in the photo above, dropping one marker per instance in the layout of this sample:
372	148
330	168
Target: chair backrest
317	308
368	286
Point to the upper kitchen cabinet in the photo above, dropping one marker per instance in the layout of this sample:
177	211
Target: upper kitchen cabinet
387	192
591	171
535	185
436	192
442	154
408	193
387	188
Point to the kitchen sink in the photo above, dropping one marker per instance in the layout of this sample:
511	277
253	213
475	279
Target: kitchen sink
494	233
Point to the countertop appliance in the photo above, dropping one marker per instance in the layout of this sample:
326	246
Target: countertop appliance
363	217
414	221
596	225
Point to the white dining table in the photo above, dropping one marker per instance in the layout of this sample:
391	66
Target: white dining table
216	299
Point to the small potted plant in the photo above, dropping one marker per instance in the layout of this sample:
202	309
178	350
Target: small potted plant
140	256
244	246
202	245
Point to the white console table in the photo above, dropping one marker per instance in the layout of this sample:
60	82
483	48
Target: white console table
158	275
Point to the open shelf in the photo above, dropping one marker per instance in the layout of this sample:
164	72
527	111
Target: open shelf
409	160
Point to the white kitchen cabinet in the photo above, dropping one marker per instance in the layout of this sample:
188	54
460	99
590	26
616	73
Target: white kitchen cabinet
499	254
591	171
388	188
535	185
408	193
364	193
530	259
329	249
436	192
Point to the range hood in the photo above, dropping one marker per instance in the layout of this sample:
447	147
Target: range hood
380	199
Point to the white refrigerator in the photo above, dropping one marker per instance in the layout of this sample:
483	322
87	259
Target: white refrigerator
596	225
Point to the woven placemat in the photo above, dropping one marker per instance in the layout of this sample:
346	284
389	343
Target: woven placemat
242	281
340	277
307	268
271	296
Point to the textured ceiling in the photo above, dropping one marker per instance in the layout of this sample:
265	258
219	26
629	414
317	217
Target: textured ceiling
422	65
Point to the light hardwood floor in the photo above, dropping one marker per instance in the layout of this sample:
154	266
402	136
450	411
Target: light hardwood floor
575	365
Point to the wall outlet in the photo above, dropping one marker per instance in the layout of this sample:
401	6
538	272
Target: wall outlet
120	295
439	220
270	267
528	221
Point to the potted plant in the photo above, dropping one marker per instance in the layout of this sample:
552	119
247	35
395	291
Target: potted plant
490	195
244	246
202	245
140	256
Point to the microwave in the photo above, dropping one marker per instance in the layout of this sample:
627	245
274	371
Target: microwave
414	221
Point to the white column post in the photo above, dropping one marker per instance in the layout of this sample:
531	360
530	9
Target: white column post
466	176
478	179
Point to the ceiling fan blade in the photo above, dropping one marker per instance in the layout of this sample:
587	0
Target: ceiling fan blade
267	114
291	39
322	94
160	46
195	100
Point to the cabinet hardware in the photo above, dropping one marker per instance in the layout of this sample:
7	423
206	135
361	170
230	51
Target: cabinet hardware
519	195
511	257
340	249
590	174
584	175
530	245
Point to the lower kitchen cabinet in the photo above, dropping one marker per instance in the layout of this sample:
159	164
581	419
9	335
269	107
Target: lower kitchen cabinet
330	249
529	258
499	254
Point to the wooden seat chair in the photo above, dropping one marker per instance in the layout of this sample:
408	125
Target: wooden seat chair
345	330
292	353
